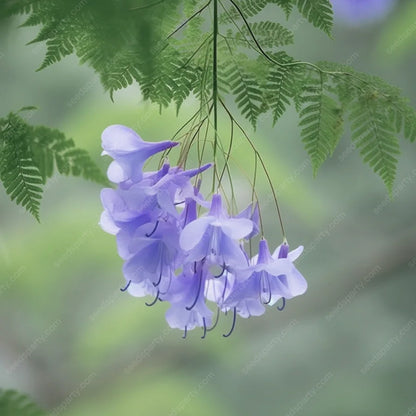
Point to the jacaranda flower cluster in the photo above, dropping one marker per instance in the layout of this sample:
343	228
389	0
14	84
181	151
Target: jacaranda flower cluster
173	254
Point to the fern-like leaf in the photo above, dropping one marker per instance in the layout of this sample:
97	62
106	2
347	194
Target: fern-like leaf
286	5
19	174
375	138
246	90
13	403
29	155
270	34
318	12
321	122
281	86
248	7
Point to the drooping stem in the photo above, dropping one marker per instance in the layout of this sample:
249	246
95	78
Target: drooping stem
215	87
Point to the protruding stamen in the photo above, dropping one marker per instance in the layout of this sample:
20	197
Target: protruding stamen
154	230
188	308
167	289
224	268
185	332
205	328
263	289
123	289
216	321
233	325
280	308
154	301
225	288
159	280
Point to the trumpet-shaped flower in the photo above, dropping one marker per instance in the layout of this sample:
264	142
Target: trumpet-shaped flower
215	236
186	295
129	152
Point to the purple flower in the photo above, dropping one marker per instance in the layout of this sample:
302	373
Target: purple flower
146	201
173	254
186	295
129	152
357	12
153	256
292	283
252	213
268	279
215	236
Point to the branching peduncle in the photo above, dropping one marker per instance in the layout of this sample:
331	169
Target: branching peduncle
215	86
258	155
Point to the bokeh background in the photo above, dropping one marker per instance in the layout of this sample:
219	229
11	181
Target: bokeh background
78	346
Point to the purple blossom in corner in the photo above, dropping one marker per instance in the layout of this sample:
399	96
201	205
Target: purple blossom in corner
358	12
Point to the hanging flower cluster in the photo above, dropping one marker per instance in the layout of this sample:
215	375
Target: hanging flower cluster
173	254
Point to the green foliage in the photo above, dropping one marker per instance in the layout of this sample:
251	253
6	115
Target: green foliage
13	403
318	12
281	86
29	155
321	121
377	112
270	34
167	48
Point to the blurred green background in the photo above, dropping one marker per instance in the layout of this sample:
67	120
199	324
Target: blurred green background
79	346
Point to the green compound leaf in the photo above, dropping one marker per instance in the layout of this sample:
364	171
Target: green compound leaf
321	120
245	89
282	84
318	12
29	155
167	48
13	403
270	34
374	135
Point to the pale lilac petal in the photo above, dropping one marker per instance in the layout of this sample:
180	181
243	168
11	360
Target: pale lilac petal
294	254
107	223
116	173
237	228
120	139
191	235
142	289
250	307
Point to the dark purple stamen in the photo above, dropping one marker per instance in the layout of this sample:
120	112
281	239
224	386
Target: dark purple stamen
222	271
186	331
188	308
263	290
154	301
153	231
167	290
233	325
225	288
123	289
158	282
216	320
280	308
205	328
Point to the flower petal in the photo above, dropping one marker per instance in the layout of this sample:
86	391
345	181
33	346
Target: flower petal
191	235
